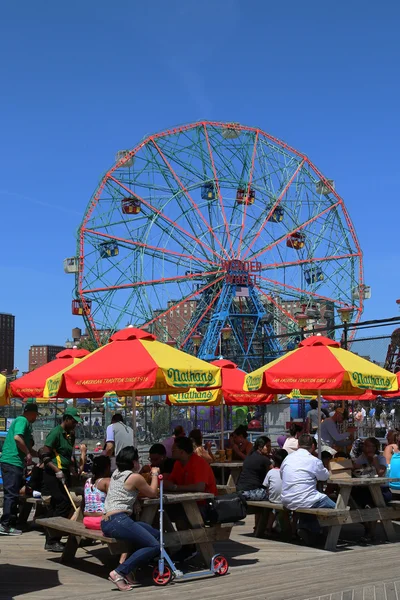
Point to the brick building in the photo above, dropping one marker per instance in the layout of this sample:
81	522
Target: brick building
40	355
7	340
169	326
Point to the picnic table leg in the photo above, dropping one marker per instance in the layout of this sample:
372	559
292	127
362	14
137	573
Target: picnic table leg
235	473
379	502
261	520
148	514
334	530
70	549
195	519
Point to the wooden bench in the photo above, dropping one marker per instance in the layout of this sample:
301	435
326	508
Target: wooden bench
76	531
26	503
327	517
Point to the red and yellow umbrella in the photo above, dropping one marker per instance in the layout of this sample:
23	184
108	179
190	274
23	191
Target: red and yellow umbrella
33	383
133	360
320	364
4	396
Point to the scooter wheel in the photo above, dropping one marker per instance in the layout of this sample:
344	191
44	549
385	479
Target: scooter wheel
220	565
164	578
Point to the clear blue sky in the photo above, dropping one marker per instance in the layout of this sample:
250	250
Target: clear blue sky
81	80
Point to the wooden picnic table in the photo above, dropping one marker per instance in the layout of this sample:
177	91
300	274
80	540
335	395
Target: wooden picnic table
188	500
235	468
381	512
197	533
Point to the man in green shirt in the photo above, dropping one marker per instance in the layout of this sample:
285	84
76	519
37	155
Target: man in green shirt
16	450
58	460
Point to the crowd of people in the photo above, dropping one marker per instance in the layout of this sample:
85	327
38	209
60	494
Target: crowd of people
290	475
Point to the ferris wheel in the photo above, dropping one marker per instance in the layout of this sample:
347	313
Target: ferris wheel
219	238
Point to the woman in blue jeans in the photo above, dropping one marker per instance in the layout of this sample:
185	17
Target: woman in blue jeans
117	523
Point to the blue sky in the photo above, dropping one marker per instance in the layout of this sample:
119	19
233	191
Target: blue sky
81	80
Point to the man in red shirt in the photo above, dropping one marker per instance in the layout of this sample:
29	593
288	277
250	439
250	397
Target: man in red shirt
191	473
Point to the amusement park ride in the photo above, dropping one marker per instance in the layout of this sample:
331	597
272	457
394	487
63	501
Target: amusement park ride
229	218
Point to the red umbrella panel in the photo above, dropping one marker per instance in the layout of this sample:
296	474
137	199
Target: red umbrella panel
33	383
232	385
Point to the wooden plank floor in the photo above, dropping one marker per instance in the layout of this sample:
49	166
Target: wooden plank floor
260	569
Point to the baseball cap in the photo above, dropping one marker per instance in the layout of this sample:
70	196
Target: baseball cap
31	406
74	413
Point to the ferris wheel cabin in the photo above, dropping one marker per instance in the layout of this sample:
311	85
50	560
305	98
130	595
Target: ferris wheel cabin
71	265
131	206
322	188
208	191
121	154
313	275
78	308
230	133
277	214
108	249
243	198
296	241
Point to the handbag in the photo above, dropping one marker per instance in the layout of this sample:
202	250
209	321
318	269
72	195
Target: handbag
226	509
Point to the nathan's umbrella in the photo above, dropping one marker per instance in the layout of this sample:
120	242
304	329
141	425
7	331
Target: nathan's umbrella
33	383
320	364
134	360
231	392
4	396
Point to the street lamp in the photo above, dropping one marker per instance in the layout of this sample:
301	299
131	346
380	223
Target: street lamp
196	339
225	334
302	320
345	315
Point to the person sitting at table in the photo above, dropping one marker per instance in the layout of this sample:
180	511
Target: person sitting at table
158	458
300	472
273	486
392	447
241	446
191	473
95	492
330	435
124	488
292	442
369	464
169	442
255	467
205	452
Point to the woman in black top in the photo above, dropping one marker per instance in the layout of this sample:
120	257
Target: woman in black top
255	468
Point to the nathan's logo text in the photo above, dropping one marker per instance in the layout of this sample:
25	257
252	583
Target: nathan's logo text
253	382
185	378
371	382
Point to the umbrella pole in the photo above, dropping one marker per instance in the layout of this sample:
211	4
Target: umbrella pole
319	424
222	418
134	418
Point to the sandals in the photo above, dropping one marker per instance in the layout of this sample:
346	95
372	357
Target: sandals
131	580
119	581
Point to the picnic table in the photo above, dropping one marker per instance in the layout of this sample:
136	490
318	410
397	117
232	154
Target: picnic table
380	512
235	468
197	534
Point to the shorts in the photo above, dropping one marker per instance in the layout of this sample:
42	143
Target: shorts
92	523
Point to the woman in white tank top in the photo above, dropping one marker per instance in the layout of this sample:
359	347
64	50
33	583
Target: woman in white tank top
124	488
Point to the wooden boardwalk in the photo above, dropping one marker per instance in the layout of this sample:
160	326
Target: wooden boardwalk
261	569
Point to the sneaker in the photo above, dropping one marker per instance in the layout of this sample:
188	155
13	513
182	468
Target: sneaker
9	530
56	547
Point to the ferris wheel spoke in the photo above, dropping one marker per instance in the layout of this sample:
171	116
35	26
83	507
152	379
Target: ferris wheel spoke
295	230
300	291
186	299
274	206
161	281
296	263
165	218
220	199
189	197
250	181
200	319
278	306
160	252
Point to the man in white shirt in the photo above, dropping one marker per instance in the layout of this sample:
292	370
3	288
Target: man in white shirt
300	472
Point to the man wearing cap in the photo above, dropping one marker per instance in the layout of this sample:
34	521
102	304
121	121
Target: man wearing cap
330	435
58	459
16	450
